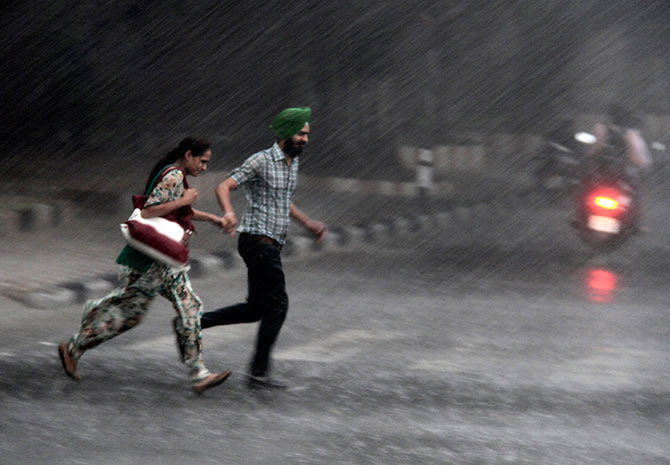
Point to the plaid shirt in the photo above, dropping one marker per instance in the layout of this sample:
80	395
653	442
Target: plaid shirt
269	183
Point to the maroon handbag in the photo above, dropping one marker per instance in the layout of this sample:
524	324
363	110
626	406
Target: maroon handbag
165	238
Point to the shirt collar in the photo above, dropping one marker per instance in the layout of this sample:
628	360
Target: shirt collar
277	153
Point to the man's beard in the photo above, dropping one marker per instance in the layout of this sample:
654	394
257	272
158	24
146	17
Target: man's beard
292	149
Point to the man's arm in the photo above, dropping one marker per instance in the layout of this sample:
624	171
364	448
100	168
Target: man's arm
638	152
600	131
223	197
317	228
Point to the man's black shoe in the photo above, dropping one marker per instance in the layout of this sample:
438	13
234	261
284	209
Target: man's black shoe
264	382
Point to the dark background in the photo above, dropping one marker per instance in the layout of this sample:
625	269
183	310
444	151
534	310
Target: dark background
107	85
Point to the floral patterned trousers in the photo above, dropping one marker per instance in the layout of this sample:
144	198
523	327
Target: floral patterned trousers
125	307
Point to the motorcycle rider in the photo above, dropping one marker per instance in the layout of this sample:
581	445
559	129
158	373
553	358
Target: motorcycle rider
619	148
621	129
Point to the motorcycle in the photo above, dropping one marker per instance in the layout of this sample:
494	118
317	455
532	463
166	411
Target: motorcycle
608	203
607	215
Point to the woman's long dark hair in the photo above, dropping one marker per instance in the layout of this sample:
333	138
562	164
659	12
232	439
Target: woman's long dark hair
196	145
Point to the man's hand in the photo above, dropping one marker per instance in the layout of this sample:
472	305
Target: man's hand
229	221
318	229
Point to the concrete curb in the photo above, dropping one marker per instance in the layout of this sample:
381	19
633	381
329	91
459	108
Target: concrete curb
26	214
364	186
26	217
351	237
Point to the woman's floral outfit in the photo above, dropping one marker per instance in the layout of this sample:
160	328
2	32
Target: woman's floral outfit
126	306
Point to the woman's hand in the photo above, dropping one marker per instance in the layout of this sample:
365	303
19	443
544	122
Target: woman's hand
190	196
217	221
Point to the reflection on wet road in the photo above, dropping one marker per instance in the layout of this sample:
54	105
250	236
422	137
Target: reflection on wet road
600	284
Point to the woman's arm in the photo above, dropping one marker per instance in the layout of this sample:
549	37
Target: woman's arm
168	195
190	196
200	215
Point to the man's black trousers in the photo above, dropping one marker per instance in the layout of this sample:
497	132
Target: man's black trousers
267	300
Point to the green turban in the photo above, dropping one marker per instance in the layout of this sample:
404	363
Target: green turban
290	121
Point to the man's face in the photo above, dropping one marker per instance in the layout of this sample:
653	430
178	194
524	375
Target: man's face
293	146
195	165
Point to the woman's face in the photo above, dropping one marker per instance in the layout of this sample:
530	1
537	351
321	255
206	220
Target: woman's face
195	165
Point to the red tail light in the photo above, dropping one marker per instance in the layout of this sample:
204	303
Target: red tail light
606	202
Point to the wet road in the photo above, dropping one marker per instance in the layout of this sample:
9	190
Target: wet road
508	343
